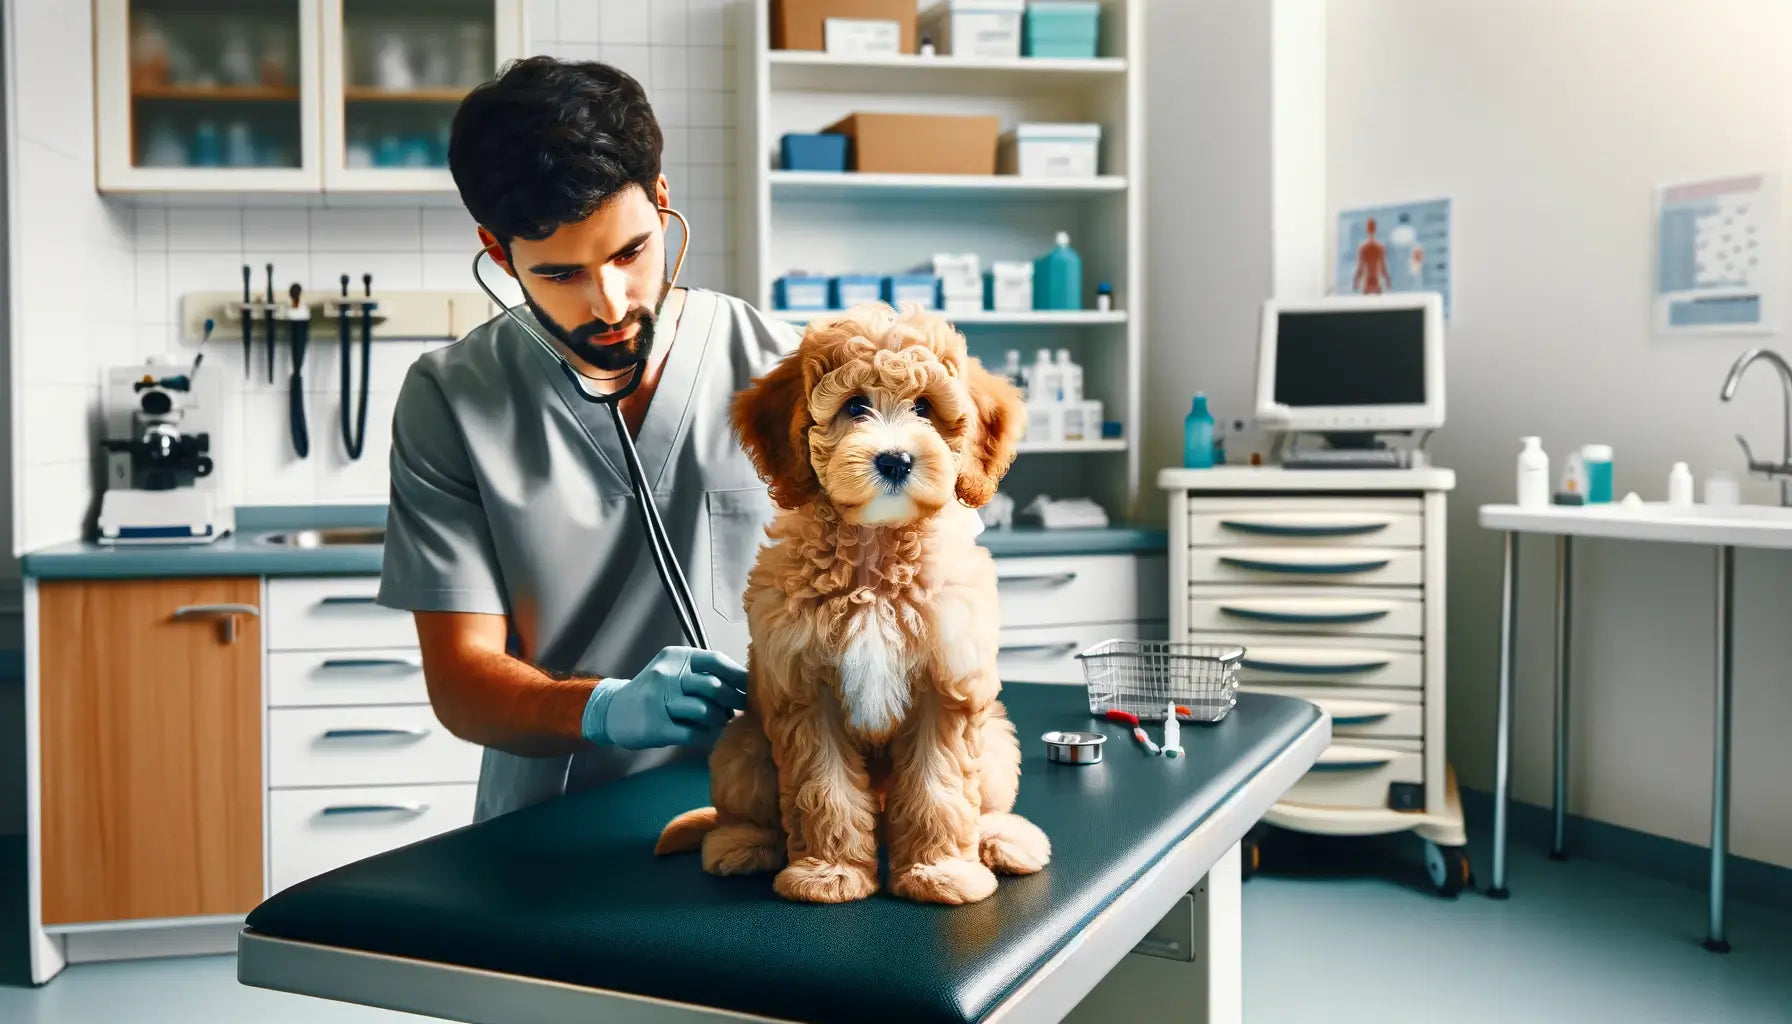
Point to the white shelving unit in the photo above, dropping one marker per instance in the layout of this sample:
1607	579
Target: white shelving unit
825	223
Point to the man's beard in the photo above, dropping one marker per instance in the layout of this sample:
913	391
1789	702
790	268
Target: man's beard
619	355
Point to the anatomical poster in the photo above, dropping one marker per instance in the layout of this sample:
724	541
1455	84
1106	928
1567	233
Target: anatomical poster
1399	247
1717	255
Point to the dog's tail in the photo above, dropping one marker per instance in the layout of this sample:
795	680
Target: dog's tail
685	832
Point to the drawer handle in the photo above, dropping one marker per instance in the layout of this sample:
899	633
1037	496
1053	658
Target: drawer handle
1062	648
355	734
339	809
225	612
1352	759
1050	579
346	664
1313	668
1359	717
1263	529
1304	618
338	599
1306	568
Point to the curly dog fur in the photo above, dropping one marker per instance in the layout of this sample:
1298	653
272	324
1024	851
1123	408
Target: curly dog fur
872	691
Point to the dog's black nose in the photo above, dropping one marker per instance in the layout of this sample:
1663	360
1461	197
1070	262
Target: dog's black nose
894	466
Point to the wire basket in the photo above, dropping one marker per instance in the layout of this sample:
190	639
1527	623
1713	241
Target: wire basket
1146	676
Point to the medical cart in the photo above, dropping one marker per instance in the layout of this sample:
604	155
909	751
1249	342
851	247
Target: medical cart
1333	582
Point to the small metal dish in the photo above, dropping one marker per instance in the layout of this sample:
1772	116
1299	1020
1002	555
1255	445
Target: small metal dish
1074	747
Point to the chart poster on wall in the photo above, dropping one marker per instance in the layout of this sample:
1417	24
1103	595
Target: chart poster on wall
1717	256
1399	247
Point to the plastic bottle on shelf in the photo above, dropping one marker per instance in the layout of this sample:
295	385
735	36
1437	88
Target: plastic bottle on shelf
1197	436
1058	277
1070	379
1043	380
1533	474
1011	371
1680	485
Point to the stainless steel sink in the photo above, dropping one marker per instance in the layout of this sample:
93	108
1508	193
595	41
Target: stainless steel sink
334	537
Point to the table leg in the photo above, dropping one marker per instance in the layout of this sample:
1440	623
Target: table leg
1502	763
1720	745
1558	849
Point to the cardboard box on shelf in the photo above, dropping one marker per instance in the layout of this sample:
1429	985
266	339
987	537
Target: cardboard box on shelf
802	24
921	143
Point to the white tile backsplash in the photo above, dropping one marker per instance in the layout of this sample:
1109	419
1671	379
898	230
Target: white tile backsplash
151	253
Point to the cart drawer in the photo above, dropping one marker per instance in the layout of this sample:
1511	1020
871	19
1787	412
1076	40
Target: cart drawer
376	676
1080	589
1355	713
1362	612
1325	526
333	613
1310	661
1356	775
1047	654
365	746
1330	565
311	831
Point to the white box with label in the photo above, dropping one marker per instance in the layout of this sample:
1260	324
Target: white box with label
986	29
1041	150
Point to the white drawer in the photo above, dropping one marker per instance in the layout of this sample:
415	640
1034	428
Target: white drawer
1048	654
373	676
333	613
1342	612
365	746
1307	566
1308	661
1275	524
1081	588
1359	714
1356	775
311	831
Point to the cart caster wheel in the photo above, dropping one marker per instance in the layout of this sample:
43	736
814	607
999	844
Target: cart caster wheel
1250	857
1448	868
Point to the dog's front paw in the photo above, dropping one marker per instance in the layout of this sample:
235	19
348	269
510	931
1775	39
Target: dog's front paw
815	881
948	881
743	850
1011	844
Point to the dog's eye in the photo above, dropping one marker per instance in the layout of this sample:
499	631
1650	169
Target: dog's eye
858	407
923	408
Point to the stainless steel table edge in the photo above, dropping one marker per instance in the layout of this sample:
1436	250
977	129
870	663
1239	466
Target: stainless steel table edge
475	996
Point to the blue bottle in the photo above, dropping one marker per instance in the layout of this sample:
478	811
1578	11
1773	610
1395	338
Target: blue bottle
1197	436
1058	277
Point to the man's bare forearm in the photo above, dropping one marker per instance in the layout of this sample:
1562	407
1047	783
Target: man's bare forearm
495	700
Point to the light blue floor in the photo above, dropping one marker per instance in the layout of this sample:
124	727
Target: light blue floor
1357	939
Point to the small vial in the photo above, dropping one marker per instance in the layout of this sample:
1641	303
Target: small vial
1104	297
926	46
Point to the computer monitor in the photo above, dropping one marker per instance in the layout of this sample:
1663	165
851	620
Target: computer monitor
1352	364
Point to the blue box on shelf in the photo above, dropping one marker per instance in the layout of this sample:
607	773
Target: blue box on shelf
800	292
1062	28
921	289
848	290
813	152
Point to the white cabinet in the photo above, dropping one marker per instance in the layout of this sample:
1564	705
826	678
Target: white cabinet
357	762
1055	606
294	96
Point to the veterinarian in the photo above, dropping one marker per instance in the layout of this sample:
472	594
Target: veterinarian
546	636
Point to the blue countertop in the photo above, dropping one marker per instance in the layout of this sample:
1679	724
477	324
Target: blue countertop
246	552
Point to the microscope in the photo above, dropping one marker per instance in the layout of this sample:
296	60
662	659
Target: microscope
157	459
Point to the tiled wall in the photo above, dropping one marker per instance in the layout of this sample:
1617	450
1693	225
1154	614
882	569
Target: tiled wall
681	51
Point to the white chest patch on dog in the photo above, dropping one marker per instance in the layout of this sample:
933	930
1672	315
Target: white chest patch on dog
888	508
873	675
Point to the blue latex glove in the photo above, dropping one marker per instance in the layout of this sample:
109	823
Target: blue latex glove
682	696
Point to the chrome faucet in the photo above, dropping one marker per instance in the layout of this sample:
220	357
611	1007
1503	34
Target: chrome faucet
1783	469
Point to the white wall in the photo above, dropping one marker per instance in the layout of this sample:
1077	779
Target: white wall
1549	123
104	279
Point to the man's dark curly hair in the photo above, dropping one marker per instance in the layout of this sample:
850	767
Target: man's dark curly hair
547	142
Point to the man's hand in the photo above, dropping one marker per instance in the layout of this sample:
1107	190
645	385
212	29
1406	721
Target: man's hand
683	695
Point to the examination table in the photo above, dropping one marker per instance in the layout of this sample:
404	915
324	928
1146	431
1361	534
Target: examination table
561	912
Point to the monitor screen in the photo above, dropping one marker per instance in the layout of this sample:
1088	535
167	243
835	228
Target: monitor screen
1350	358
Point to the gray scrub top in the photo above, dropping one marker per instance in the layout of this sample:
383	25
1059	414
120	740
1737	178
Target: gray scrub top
510	496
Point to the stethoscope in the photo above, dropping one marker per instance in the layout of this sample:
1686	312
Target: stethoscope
672	577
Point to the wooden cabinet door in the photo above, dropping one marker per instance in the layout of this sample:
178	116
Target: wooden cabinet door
151	748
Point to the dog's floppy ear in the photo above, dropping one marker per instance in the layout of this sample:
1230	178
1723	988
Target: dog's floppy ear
990	445
771	418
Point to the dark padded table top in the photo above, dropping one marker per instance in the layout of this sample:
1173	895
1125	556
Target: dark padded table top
570	890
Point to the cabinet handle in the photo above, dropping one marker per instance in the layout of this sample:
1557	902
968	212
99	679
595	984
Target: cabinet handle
1053	579
343	664
337	809
1265	614
351	734
1351	759
1293	528
1260	564
349	599
1061	648
1313	668
226	613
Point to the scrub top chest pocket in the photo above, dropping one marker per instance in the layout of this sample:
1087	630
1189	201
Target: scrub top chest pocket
737	520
